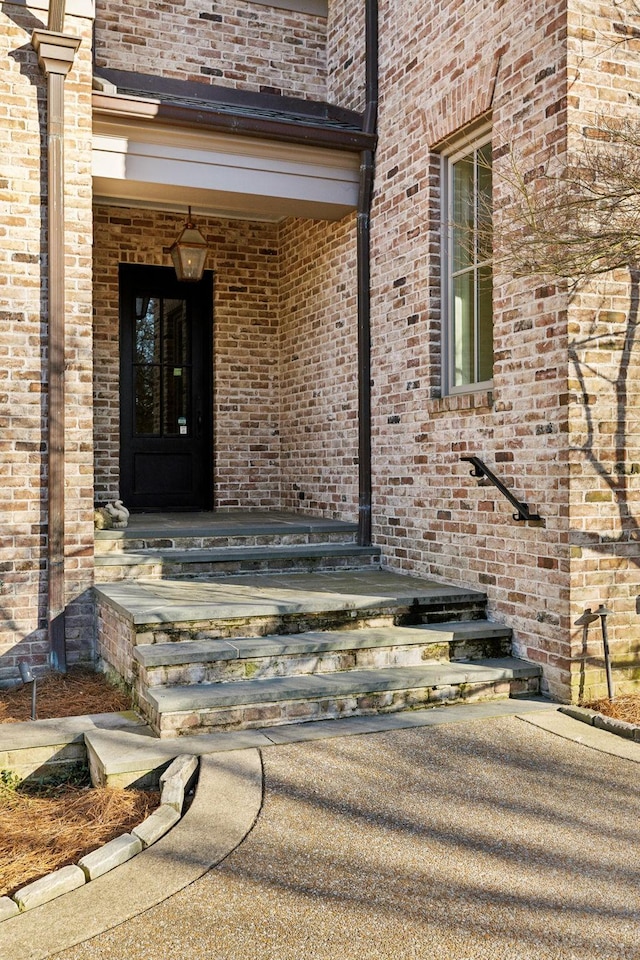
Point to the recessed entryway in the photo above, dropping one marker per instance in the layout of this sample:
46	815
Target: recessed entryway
166	441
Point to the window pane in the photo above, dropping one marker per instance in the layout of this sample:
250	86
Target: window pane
147	400
485	324
463	329
463	213
485	239
469	295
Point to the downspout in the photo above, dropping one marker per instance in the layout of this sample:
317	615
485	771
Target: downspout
367	170
56	52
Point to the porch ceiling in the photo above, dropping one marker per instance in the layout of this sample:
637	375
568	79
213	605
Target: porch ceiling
139	162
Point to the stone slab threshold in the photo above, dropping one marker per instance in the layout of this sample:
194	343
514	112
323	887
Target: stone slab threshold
265	595
316	641
225	808
230	523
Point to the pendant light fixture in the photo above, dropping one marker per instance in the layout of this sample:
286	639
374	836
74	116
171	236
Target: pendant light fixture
189	252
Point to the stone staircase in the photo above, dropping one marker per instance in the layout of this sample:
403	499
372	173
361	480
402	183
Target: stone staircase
186	548
211	639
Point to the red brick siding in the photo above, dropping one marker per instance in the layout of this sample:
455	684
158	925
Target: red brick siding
604	374
230	43
318	369
430	516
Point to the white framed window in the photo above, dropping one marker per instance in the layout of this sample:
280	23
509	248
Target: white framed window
468	267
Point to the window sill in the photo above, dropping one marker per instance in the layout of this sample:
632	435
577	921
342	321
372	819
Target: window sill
480	400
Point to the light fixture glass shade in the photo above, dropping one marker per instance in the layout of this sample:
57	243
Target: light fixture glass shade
189	253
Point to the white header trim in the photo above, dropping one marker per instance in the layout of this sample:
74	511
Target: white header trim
40	8
221	174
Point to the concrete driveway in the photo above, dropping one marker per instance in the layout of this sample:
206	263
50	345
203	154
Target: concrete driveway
487	839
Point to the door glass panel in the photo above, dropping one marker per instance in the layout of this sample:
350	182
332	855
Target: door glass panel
176	419
147	400
147	331
176	333
176	372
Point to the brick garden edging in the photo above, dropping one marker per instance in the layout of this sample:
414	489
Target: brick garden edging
630	731
175	782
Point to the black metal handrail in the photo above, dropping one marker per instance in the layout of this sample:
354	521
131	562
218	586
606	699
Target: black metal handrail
480	470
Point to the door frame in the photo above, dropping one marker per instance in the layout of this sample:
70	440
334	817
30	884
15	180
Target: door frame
202	292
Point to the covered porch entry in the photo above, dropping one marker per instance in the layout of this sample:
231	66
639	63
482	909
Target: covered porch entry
240	391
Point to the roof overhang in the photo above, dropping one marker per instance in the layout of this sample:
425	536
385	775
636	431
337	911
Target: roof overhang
221	160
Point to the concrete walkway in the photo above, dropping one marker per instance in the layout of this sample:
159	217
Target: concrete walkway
491	839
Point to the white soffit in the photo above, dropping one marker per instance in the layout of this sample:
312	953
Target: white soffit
220	174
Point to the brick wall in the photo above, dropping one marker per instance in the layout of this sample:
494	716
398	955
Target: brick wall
244	257
430	516
231	43
23	344
604	372
345	54
318	368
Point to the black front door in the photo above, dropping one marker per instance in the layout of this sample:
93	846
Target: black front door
165	390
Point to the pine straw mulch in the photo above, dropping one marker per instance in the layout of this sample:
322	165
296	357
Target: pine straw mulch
40	833
42	829
74	694
621	708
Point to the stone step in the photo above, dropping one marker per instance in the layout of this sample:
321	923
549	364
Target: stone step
172	563
41	748
151	604
250	704
168	611
245	658
216	531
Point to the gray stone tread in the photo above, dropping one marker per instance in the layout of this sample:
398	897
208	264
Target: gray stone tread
210	651
176	699
239	523
256	595
235	554
465	630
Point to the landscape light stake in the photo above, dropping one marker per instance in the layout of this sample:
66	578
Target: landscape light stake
28	677
584	621
603	613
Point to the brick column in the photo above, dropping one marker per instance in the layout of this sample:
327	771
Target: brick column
56	52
